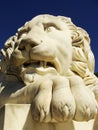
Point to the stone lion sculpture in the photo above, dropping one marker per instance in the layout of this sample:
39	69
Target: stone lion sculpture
49	64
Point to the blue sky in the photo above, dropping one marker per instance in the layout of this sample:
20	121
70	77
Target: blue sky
84	13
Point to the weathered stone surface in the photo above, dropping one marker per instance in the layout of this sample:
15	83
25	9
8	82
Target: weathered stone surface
49	64
18	117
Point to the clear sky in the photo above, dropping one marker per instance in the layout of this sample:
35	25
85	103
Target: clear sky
84	13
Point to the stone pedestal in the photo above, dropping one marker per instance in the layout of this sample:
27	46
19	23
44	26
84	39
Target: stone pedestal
18	117
13	116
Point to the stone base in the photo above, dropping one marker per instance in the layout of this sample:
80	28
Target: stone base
18	117
14	116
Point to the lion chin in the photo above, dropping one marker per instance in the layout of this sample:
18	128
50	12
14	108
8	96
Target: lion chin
53	69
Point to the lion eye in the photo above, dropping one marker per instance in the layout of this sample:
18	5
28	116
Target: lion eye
49	29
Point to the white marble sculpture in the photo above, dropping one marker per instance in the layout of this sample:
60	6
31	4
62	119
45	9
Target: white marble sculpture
49	64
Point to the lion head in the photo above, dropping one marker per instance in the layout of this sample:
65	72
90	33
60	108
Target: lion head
36	47
48	44
54	48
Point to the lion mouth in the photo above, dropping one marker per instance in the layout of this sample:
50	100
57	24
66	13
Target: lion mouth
31	70
40	67
43	64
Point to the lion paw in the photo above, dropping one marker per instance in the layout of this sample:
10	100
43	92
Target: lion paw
87	109
63	112
86	104
41	103
41	113
63	104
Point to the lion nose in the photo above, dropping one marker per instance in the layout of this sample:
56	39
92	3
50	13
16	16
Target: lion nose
27	44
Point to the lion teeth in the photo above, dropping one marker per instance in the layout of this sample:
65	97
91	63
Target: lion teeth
43	64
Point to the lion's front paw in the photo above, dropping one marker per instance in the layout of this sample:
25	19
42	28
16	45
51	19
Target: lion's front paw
86	105
41	103
41	112
63	110
63	104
